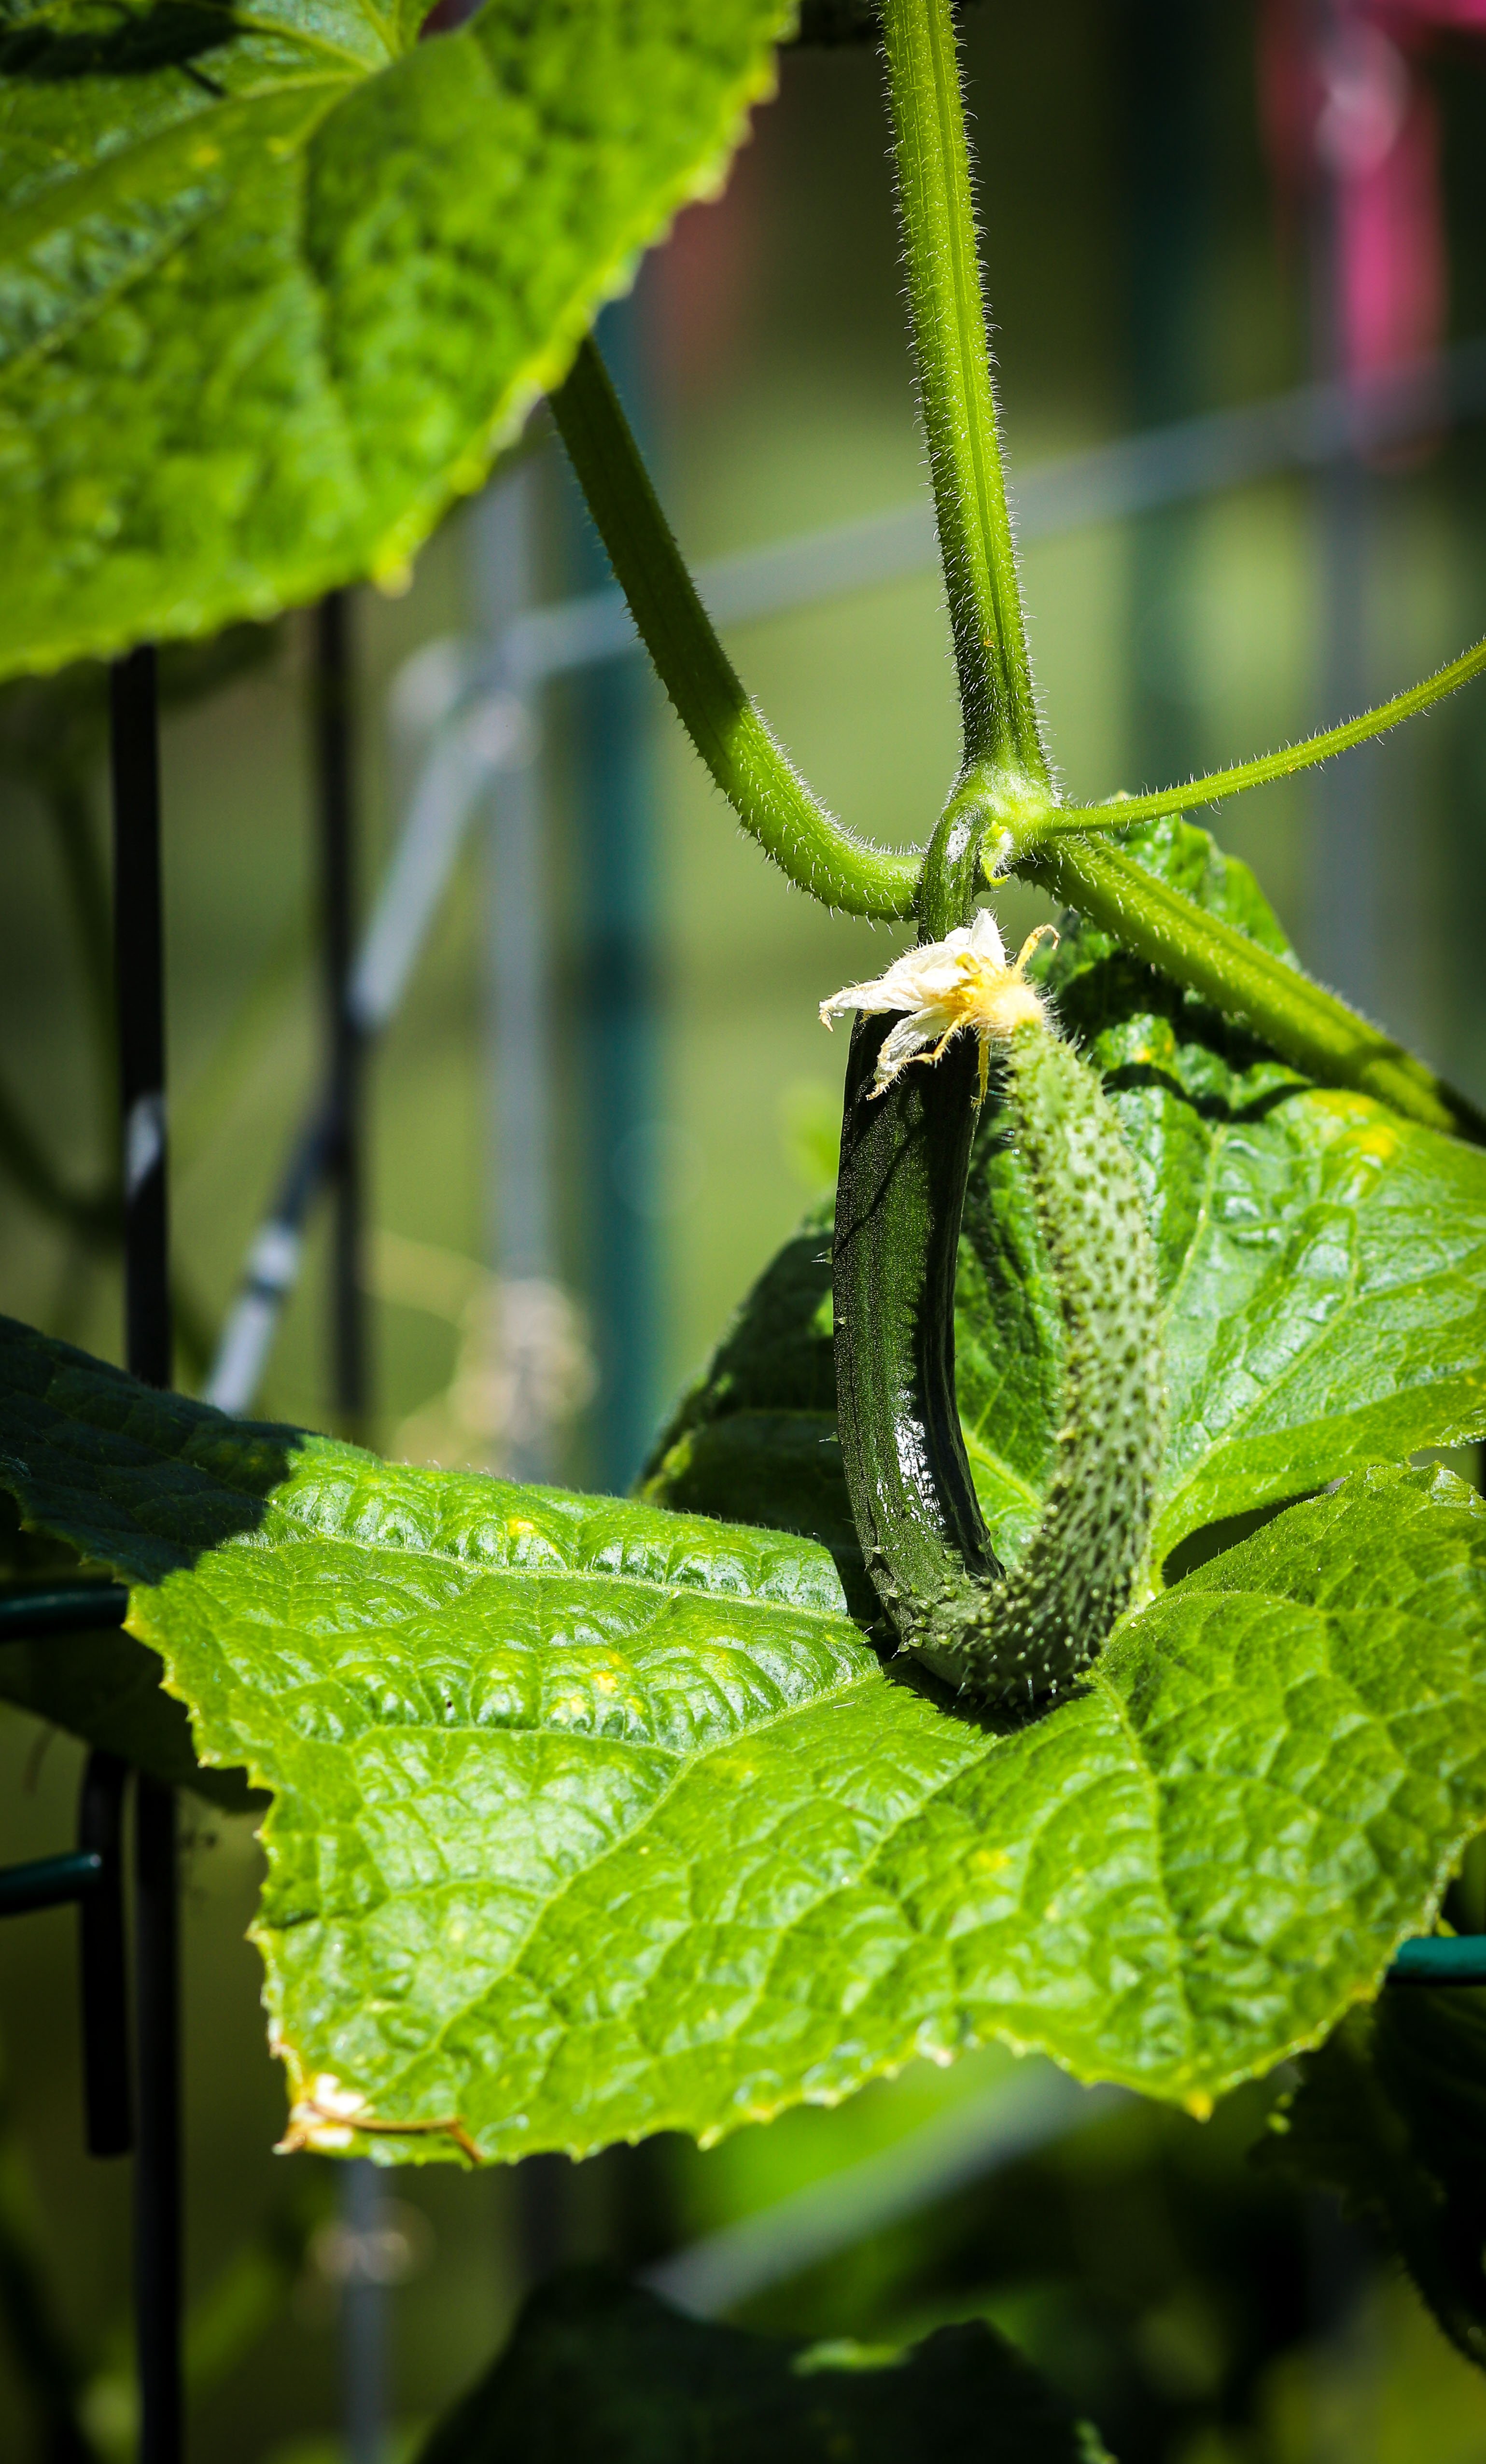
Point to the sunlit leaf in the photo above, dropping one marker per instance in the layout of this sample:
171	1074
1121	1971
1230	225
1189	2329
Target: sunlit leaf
276	283
592	1820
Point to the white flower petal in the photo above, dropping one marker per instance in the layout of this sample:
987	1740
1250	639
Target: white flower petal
924	974
985	938
909	1036
943	986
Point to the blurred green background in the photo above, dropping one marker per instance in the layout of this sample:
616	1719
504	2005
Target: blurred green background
1138	273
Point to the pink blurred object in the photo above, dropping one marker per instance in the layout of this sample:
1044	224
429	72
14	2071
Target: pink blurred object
1467	15
1346	101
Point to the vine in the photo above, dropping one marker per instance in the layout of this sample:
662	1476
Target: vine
674	1843
1004	774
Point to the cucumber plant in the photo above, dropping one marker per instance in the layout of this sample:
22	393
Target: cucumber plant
596	1817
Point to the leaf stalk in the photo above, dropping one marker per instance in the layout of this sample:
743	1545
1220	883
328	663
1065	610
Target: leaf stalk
1306	1025
726	725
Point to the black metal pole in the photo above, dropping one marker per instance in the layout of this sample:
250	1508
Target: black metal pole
363	2316
105	1998
363	2299
139	970
139	975
157	2205
335	761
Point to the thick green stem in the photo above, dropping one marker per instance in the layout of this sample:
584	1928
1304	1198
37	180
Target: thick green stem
1005	774
956	397
752	769
1304	1022
1219	784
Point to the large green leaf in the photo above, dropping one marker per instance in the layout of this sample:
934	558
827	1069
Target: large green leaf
597	2369
276	282
1324	1261
591	1819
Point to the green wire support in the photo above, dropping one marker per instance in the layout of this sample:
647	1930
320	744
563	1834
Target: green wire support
49	1881
1441	1959
61	1608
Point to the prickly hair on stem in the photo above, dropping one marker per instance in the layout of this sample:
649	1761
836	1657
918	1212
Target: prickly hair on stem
956	394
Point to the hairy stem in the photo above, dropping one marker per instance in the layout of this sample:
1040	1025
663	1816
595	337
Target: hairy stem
1005	775
1219	784
750	766
956	393
1304	1022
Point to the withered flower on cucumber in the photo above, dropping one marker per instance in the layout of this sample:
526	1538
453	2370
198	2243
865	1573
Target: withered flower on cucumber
923	1041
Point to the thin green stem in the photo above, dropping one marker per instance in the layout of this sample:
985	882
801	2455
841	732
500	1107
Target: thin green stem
746	761
1304	1023
1005	772
956	393
1219	784
94	1216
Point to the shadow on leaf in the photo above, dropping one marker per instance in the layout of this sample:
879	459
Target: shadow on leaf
116	41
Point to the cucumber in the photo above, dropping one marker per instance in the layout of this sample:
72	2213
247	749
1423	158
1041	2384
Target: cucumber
1019	1638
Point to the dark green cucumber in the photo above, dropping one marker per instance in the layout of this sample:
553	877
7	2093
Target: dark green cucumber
1017	1637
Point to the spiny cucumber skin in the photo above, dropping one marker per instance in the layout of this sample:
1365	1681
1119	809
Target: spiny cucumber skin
1017	1639
1039	1628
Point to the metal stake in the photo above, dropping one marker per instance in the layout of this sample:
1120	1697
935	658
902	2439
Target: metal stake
139	972
626	1140
363	2315
106	1997
364	2300
157	2205
139	975
335	763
